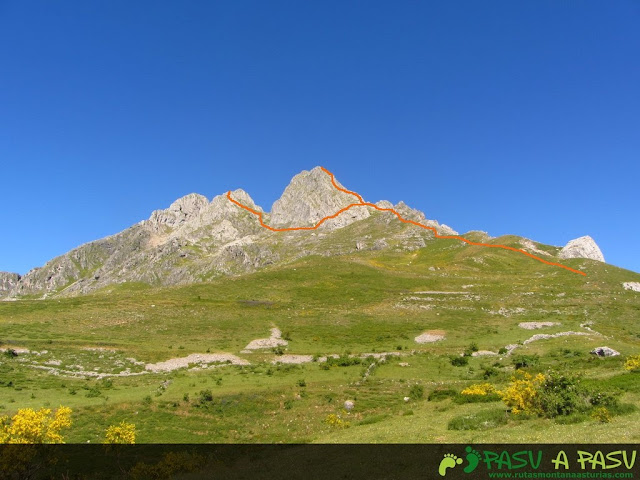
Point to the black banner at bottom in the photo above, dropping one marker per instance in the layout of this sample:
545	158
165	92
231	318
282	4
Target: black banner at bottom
255	462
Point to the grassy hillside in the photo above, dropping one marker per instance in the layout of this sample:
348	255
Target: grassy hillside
368	302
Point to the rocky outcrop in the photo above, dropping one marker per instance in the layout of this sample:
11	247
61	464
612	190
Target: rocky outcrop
8	281
417	216
583	247
633	286
179	212
604	352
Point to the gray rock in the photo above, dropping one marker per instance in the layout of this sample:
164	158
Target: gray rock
309	198
583	247
7	282
633	286
348	405
604	352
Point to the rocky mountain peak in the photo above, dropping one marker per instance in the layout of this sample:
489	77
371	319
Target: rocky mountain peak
583	247
180	211
311	196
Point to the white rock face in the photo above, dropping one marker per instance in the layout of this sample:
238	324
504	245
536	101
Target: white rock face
310	197
633	286
180	211
583	247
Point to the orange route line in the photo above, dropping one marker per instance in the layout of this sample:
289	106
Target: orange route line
362	203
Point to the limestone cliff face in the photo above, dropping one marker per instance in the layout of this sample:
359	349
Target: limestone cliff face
310	197
7	282
583	247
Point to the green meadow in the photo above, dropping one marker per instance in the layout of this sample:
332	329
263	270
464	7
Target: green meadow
89	352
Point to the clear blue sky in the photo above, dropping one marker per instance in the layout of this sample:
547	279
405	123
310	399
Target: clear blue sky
510	116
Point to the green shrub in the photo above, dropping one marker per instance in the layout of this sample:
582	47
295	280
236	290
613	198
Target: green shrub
473	347
502	351
524	361
489	372
603	399
302	383
343	361
416	392
457	361
93	393
106	383
205	396
562	395
441	393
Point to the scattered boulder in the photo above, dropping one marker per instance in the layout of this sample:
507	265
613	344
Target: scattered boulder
633	286
604	352
583	247
348	405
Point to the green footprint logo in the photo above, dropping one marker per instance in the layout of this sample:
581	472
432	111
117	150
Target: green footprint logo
449	461
473	457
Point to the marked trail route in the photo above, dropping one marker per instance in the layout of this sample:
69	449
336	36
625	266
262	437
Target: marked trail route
362	203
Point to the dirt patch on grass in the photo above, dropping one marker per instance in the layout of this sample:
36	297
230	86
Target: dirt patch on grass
275	340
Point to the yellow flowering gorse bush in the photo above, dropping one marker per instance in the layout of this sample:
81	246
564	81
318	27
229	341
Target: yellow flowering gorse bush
522	393
632	363
479	389
123	433
35	426
335	421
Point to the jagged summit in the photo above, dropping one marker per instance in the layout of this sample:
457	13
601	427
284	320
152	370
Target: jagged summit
311	196
179	212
